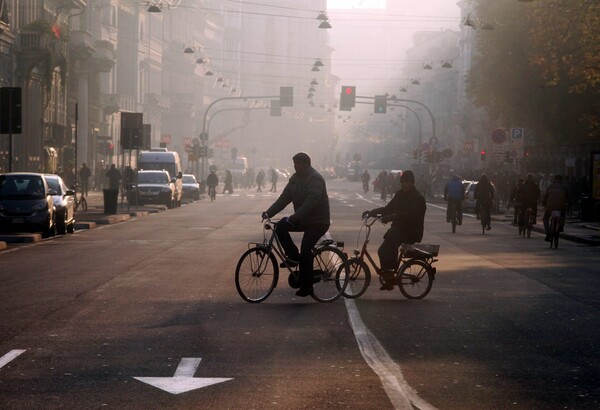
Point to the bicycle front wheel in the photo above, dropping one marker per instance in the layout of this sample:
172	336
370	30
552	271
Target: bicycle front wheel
415	279
256	275
359	278
330	274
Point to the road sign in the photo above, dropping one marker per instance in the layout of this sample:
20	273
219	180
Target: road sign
517	141
499	136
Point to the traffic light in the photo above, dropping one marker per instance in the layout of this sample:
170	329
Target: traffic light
275	108
347	98
483	155
286	96
380	104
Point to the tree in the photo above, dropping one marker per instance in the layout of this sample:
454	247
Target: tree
538	67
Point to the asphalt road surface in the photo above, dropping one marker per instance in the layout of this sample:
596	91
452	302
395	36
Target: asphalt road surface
145	314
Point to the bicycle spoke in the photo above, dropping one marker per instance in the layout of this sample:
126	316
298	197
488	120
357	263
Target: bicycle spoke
330	270
256	275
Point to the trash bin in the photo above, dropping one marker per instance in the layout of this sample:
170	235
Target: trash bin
111	199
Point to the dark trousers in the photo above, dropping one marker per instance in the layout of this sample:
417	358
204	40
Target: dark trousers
388	251
312	234
459	211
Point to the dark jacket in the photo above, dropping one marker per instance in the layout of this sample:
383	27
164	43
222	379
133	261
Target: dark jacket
308	193
409	209
528	194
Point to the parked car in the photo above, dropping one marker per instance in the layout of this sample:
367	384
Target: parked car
469	203
153	187
26	204
191	187
64	204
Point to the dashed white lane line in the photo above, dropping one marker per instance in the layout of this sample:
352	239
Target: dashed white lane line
10	356
401	395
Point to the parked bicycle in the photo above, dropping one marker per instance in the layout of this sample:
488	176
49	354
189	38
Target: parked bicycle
555	225
414	271
526	219
257	271
80	201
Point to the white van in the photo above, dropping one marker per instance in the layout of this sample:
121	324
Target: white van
167	160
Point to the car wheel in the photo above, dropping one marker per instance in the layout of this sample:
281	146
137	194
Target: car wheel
61	225
71	227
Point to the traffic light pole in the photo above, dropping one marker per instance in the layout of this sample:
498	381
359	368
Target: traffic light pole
414	102
205	124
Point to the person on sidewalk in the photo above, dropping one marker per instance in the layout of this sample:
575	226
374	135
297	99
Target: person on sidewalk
84	176
307	191
114	177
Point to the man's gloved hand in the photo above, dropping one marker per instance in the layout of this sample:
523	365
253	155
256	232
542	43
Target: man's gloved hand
265	216
366	214
286	220
388	218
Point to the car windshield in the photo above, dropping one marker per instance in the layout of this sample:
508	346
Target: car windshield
53	184
21	187
153	178
189	179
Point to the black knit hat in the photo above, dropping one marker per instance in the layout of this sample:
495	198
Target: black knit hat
407	176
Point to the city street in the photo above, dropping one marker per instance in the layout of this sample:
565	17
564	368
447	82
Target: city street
145	314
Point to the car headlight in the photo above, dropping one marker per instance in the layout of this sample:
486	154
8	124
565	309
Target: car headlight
39	206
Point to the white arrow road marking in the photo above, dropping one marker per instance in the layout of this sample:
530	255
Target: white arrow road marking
10	356
183	380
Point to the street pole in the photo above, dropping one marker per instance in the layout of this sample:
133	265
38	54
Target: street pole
204	134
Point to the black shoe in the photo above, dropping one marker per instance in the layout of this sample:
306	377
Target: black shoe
487	228
387	286
288	263
303	292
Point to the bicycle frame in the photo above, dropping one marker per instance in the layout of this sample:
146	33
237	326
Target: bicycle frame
272	244
364	251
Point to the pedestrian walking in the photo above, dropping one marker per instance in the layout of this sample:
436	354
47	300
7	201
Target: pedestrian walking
114	177
84	177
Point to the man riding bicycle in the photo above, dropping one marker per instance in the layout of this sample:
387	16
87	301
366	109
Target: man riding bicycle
306	190
212	180
484	196
406	211
528	195
454	193
555	199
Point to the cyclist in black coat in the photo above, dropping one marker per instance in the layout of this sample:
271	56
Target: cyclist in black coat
406	211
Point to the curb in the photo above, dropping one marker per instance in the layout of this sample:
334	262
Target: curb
21	238
2	245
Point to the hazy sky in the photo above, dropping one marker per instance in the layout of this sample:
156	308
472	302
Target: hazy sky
370	43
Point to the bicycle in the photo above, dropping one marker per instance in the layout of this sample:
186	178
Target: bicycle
485	216
257	271
80	200
453	214
554	231
526	218
212	192
414	271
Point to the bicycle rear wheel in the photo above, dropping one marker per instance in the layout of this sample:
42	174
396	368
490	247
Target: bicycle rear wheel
330	274
256	275
415	279
359	278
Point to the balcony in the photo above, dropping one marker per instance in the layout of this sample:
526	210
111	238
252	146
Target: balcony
104	58
113	103
81	45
